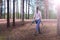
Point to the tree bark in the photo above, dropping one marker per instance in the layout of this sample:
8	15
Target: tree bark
17	9
4	9
46	9
58	20
28	8
22	10
8	20
13	12
10	8
0	9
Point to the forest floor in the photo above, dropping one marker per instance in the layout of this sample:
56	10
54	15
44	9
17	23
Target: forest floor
27	31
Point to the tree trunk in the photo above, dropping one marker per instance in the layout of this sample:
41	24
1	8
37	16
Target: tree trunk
58	20
17	10
22	10
28	8
10	8
13	12
8	20
46	11
0	9
4	9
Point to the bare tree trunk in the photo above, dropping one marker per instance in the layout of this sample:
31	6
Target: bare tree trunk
8	20
0	9
13	12
28	8
58	20
22	10
4	9
46	10
17	10
9	9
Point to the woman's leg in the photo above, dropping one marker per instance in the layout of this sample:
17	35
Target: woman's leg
38	26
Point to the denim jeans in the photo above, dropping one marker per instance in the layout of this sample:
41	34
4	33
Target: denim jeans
38	25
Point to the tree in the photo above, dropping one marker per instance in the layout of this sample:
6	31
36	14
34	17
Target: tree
8	20
58	19
17	9
46	9
28	7
22	10
4	8
10	8
0	9
13	12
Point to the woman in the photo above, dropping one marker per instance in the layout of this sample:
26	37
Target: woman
37	17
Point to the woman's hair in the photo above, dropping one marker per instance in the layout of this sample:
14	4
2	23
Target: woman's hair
37	8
